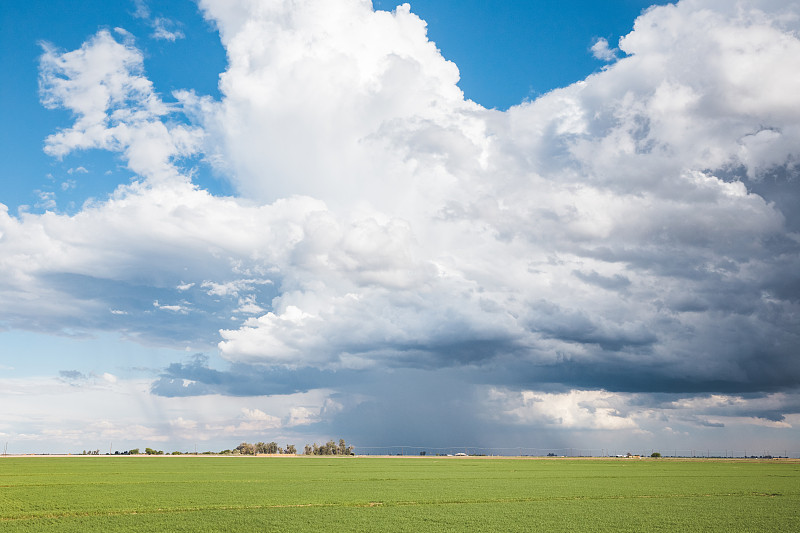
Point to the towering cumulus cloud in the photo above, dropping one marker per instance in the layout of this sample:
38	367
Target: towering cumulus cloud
604	233
622	250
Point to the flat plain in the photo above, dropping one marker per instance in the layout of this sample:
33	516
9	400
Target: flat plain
396	494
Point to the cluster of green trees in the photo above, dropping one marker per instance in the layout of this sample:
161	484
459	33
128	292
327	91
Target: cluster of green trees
246	448
330	448
148	451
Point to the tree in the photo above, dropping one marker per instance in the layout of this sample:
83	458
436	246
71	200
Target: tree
343	448
134	451
272	447
655	454
246	448
308	450
290	449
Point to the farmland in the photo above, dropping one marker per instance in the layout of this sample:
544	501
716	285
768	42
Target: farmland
396	494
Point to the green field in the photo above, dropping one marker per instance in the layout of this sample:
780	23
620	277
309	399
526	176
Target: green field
380	494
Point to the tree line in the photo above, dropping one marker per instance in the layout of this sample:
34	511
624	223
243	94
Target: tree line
329	448
246	448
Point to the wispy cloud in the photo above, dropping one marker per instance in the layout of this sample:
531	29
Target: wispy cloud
163	27
173	307
142	10
166	29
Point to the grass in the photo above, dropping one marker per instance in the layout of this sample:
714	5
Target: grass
374	494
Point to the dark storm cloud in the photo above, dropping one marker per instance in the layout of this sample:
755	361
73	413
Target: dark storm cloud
773	407
779	186
575	326
434	408
195	378
613	283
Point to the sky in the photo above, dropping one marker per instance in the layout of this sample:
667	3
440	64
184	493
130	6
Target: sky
514	227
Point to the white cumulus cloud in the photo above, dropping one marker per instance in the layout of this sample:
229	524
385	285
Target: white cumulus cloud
601	50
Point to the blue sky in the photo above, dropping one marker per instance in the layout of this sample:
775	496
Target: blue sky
547	225
511	51
514	51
